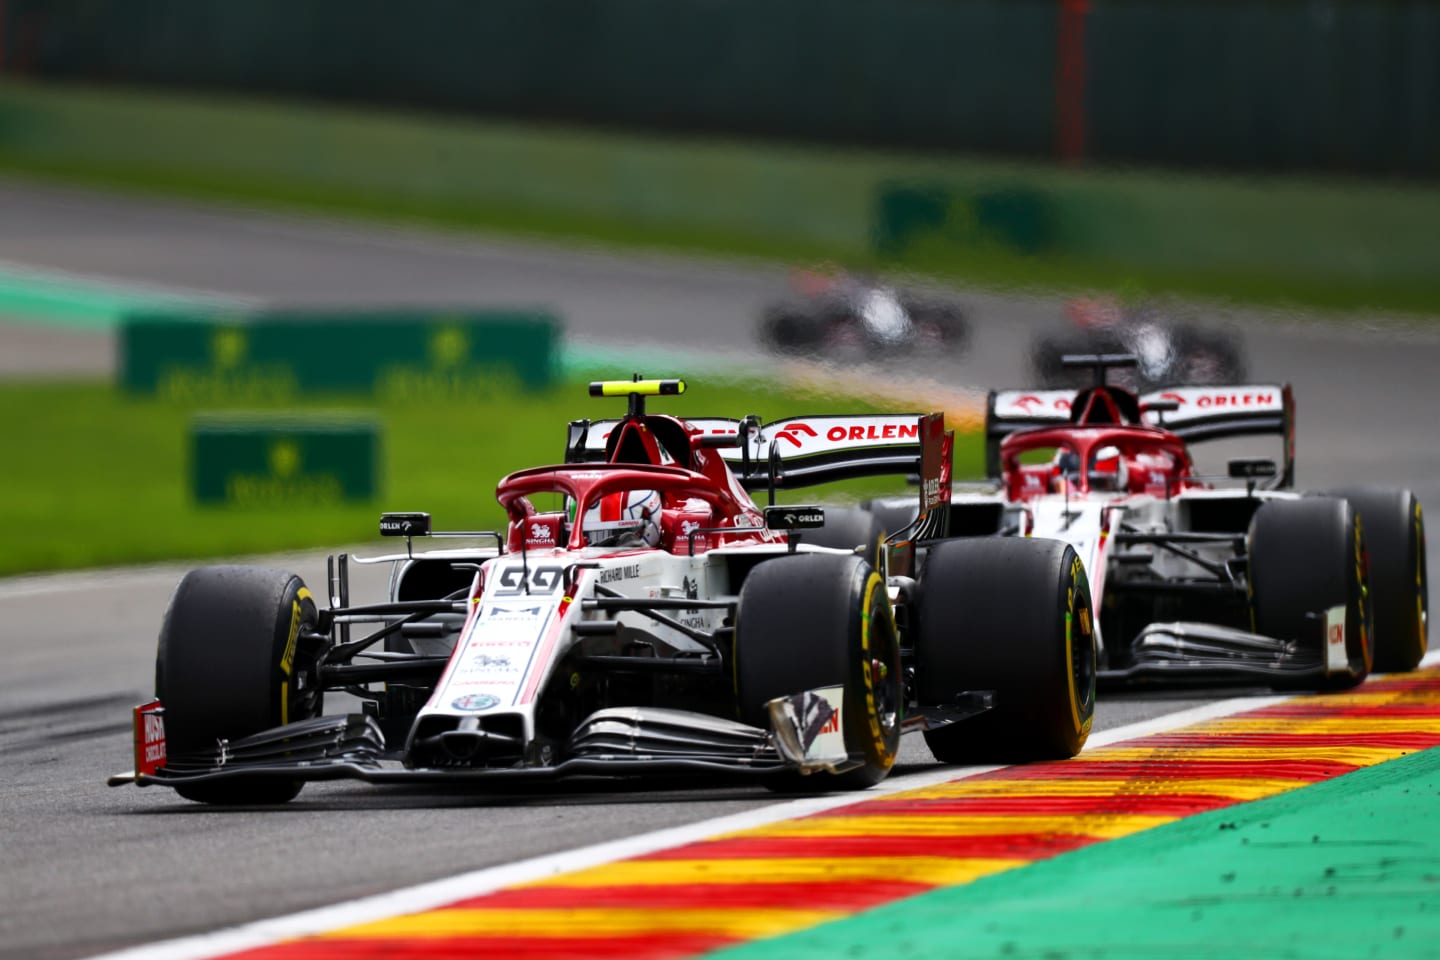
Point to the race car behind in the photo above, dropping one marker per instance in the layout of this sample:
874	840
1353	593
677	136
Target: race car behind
1200	579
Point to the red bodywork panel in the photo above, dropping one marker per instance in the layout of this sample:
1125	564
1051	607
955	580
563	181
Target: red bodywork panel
149	737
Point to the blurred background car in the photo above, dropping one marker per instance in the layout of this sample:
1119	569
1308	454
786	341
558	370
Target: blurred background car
1168	348
845	314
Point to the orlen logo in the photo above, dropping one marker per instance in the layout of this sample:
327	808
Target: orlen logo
792	433
1236	400
1029	402
833	724
890	431
1179	400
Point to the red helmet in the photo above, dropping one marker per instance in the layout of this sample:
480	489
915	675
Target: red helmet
627	518
1107	469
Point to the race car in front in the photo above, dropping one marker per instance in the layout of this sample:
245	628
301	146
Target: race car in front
639	614
1200	579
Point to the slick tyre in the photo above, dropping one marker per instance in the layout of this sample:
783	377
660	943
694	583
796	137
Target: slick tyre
851	528
1306	557
1399	586
821	620
1010	616
232	663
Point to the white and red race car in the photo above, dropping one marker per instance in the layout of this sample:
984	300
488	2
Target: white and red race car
653	619
1196	579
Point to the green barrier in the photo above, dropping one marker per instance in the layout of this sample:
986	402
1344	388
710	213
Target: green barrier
395	355
1014	218
256	460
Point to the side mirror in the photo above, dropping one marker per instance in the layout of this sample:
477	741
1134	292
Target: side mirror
720	441
1252	468
404	524
794	517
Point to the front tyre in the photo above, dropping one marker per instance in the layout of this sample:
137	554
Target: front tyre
1307	557
1010	616
821	620
1399	585
232	662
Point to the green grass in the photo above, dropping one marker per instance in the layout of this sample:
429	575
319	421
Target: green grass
94	477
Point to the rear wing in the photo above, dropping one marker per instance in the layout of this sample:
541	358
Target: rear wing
807	451
1194	414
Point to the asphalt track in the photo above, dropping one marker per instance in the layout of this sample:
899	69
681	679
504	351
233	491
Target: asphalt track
87	869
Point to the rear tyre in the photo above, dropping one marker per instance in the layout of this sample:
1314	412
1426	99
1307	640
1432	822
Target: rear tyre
820	620
1399	586
1308	556
785	331
1045	356
1011	616
231	664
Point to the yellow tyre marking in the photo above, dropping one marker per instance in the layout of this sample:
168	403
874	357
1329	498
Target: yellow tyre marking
287	658
1080	727
872	713
1367	657
1420	631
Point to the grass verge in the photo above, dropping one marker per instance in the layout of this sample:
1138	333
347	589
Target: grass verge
97	478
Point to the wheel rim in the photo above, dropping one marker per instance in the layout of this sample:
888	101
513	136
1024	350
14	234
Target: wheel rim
887	698
1422	587
882	667
1080	639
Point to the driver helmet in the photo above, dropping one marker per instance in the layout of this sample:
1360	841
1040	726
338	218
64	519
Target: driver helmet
627	518
1107	470
1064	469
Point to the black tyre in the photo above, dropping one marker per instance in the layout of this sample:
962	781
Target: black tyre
821	620
1011	616
1308	556
851	528
1045	356
231	664
940	324
1399	587
787	331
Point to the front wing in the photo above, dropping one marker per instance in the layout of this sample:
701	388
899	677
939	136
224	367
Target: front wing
616	742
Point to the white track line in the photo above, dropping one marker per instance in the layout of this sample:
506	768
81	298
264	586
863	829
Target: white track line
70	581
429	896
114	286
